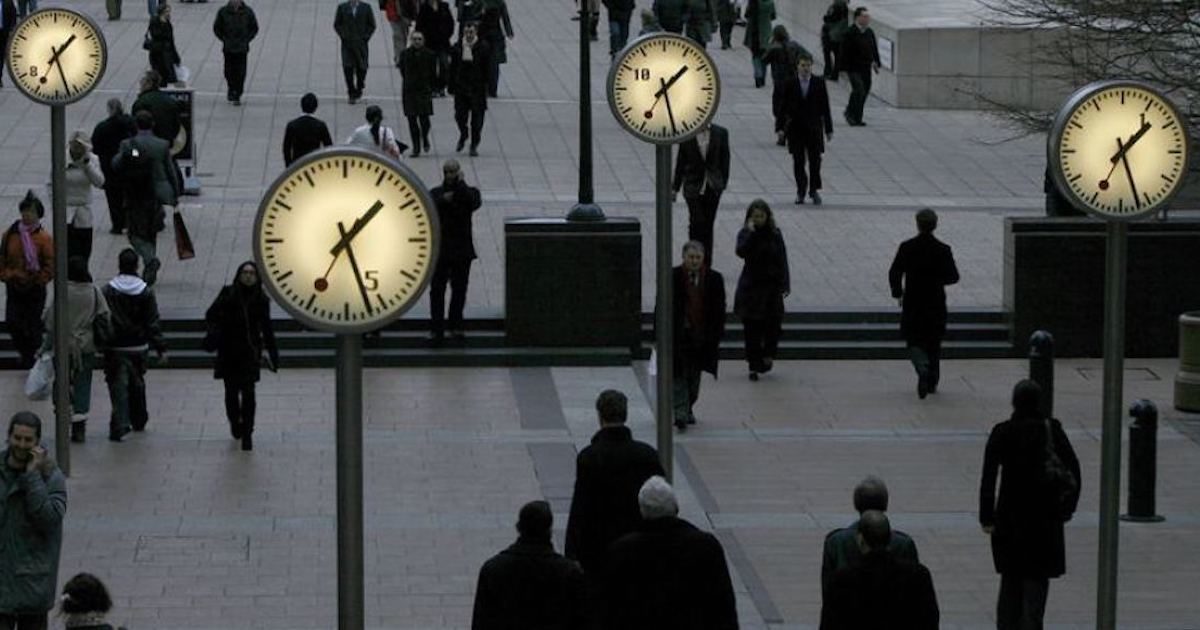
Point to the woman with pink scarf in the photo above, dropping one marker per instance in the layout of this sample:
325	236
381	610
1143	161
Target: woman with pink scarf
26	267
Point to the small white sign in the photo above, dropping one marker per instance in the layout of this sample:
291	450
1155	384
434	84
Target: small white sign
887	51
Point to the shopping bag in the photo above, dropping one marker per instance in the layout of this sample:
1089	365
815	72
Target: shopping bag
183	240
40	382
652	366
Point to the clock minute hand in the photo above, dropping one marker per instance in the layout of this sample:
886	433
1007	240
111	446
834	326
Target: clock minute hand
58	51
1132	141
668	83
670	112
1137	202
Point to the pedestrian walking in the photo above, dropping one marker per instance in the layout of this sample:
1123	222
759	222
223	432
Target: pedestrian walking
377	136
467	12
592	8
160	43
135	331
114	9
1025	522
609	471
236	26
667	574
87	315
239	330
163	108
436	23
782	56
671	14
834	25
494	27
8	21
919	274
85	603
701	16
619	14
82	174
25	7
305	133
144	164
529	585
456	204
649	23
880	591
354	23
759	16
418	69
106	140
841	549
699	324
400	15
764	283
702	172
726	17
859	59
469	67
33	500
809	126
26	267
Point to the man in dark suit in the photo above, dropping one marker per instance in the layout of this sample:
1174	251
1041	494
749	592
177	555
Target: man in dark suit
456	203
354	23
926	266
809	125
699	315
880	591
702	170
859	58
470	65
106	142
151	190
306	133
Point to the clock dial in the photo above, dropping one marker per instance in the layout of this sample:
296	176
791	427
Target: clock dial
56	56
663	88
347	239
1120	150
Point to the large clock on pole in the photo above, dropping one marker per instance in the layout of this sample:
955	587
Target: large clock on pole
56	56
347	239
663	88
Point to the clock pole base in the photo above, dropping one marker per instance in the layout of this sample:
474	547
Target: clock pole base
585	212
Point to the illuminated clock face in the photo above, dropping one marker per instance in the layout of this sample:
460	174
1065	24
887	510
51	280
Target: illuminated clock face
1120	150
347	239
56	56
663	88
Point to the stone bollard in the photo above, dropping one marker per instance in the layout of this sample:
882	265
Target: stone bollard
1143	462
1187	380
1041	368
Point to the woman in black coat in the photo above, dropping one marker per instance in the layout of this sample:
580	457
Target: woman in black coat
239	330
1026	524
161	41
764	282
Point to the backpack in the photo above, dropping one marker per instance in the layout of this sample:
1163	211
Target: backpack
1062	488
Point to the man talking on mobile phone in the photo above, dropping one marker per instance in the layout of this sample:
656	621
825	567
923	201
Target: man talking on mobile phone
34	493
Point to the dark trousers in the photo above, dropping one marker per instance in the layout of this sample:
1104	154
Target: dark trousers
418	129
125	373
147	249
726	29
116	200
235	74
240	405
702	213
829	51
443	71
926	357
456	273
465	110
25	621
1022	602
778	107
23	314
762	340
686	388
25	7
356	80
809	181
860	88
79	242
618	35
493	77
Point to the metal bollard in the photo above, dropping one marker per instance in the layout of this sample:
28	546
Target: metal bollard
1143	464
1041	368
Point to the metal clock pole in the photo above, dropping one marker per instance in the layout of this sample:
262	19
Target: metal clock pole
664	316
1110	441
350	482
62	334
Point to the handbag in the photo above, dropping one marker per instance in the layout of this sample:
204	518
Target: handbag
183	240
40	381
147	41
1060	483
102	331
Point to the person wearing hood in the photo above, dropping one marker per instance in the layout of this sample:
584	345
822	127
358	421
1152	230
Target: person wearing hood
239	331
135	331
83	174
33	501
26	267
87	312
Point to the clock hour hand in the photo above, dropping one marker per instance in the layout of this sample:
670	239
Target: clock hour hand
667	85
359	224
58	51
362	287
1132	140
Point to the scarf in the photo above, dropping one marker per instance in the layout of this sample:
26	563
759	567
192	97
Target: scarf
27	245
83	620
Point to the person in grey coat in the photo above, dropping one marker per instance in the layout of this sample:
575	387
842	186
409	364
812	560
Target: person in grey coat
764	283
354	23
33	501
144	163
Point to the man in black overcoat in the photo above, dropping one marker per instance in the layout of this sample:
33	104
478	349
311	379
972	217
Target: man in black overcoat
354	23
859	59
702	171
841	548
528	585
699	315
608	474
236	26
880	591
809	125
305	133
456	203
470	65
418	68
668	574
106	141
922	269
435	21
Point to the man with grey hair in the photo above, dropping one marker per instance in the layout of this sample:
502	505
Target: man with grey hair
668	573
106	142
699	324
841	546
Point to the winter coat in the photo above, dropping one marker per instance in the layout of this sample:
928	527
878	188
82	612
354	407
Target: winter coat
841	550
529	586
81	176
106	141
765	277
609	472
31	516
759	16
836	22
725	11
494	26
707	353
85	303
418	67
1027	539
354	27
165	110
437	24
454	218
133	312
860	50
12	258
236	28
469	79
880	592
926	266
163	54
239	330
783	59
668	575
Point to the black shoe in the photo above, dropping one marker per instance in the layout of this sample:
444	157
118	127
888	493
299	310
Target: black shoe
474	152
799	200
79	431
415	153
922	388
767	364
117	231
138	428
248	442
462	142
691	419
754	376
235	429
425	141
859	123
849	120
816	197
118	436
681	425
353	100
436	339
